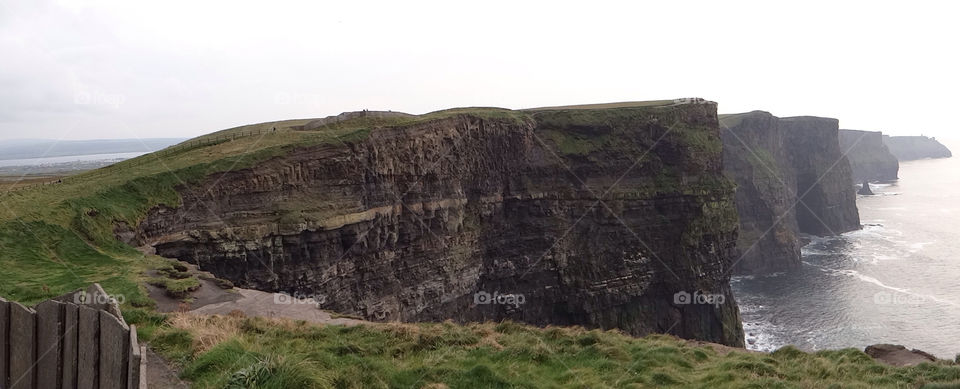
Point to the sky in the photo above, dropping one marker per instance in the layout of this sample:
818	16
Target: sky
141	69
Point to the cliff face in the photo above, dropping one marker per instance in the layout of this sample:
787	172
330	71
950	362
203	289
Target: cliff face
755	154
824	177
417	222
907	148
775	163
869	157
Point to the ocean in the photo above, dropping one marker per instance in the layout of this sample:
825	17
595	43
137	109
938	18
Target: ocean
895	281
110	157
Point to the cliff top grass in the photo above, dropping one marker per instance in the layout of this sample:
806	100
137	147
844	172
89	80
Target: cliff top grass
234	351
624	104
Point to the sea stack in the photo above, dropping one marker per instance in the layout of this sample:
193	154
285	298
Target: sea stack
865	189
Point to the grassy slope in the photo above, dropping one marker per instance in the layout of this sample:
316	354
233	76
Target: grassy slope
58	238
239	352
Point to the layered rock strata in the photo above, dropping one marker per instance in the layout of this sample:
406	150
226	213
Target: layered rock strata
486	216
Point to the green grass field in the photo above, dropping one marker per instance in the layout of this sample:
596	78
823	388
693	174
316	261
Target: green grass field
624	104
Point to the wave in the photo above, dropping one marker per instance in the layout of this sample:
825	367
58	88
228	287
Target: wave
874	281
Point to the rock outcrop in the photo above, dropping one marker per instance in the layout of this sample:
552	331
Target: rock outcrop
828	200
907	148
371	116
870	159
897	355
488	216
791	177
755	155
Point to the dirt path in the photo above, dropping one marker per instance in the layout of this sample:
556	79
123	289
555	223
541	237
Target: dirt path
265	304
210	299
160	375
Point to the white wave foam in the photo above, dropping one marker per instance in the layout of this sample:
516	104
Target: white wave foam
877	282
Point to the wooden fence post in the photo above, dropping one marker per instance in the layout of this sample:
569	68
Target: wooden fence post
114	351
4	342
89	345
71	325
49	345
134	361
23	347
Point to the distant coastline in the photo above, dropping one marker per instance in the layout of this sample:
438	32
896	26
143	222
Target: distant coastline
23	149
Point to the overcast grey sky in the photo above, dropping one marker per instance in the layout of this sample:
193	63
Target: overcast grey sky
124	69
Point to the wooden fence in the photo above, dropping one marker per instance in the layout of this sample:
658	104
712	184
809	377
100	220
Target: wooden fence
78	340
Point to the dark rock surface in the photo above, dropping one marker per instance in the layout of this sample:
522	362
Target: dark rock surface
755	156
824	177
907	148
897	355
412	222
870	159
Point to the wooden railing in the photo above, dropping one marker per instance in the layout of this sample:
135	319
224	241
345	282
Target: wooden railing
78	340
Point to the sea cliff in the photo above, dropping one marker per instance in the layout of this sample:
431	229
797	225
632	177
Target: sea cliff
598	217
